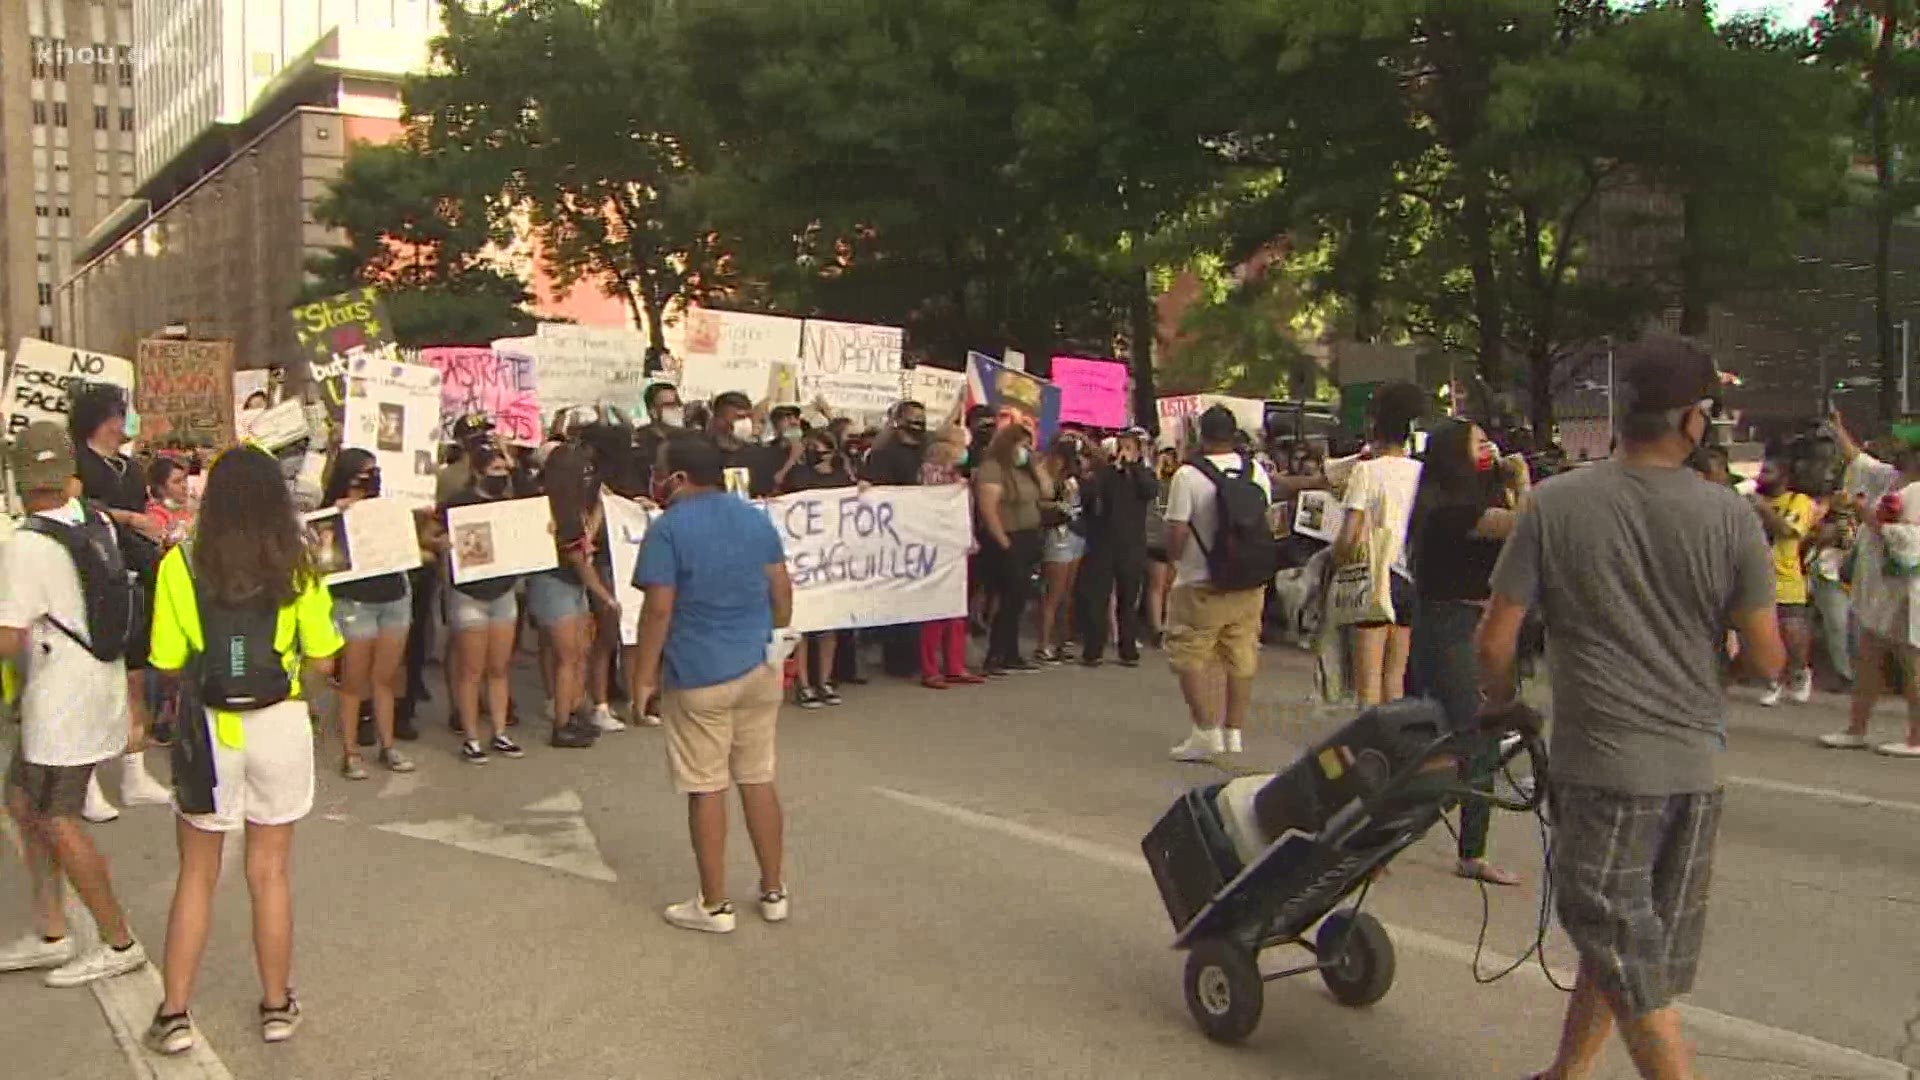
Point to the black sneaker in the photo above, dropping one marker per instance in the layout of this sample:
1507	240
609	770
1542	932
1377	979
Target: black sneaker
1022	665
808	698
367	736
571	737
403	728
473	753
829	695
506	747
1129	661
994	671
1091	661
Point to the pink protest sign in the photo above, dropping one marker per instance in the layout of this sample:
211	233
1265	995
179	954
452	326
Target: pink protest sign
499	384
1092	392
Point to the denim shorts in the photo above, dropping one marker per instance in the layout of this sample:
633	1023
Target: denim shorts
1063	545
551	600
466	613
359	620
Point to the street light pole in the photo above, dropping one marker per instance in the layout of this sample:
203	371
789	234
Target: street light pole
1906	367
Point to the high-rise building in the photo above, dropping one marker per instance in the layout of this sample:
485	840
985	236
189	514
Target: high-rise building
67	130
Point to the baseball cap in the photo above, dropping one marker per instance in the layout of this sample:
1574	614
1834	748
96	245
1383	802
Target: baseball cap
1660	373
42	457
472	426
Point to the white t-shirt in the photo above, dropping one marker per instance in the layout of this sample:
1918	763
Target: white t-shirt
1191	499
1393	480
73	708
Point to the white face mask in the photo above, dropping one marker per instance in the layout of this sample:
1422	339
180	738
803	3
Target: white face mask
673	416
743	429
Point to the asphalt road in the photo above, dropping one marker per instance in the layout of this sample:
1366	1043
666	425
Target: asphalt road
969	901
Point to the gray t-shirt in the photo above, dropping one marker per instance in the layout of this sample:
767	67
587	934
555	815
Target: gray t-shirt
1637	572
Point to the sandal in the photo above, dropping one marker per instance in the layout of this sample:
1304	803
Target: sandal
277	1025
1482	870
353	768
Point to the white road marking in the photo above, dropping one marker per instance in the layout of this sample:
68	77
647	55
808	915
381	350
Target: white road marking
552	832
129	1003
1832	795
1814	1054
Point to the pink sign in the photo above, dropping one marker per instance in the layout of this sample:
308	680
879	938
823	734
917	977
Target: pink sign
499	384
1092	392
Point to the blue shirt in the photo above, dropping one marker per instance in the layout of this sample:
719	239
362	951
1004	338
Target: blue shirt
713	550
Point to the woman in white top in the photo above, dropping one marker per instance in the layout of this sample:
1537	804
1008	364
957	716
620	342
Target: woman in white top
1886	588
1384	483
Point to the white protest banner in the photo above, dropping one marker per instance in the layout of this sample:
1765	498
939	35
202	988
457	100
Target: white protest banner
724	351
585	365
881	557
938	389
855	368
43	378
277	428
393	410
248	383
626	527
497	539
1319	515
373	537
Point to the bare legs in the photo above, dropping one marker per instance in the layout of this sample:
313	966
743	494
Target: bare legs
1159	580
569	640
269	883
483	656
1654	1040
1380	663
1056	580
707	823
370	668
57	846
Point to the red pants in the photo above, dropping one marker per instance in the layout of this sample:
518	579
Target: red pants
952	633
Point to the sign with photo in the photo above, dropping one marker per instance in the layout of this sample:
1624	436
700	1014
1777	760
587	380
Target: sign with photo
1015	397
1319	515
500	539
184	392
44	376
855	368
725	351
370	538
393	410
496	383
333	333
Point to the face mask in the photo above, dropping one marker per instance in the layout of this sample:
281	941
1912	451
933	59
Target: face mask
494	486
743	429
666	489
1022	458
371	486
791	435
673	416
965	459
1771	487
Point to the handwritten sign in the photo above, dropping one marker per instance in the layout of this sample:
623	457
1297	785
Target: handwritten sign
725	351
627	523
336	331
277	428
499	384
393	410
940	390
855	368
372	537
1092	392
45	376
500	539
585	365
876	558
185	392
1014	396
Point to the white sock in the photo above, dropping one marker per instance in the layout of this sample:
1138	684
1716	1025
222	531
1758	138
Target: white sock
96	797
603	710
1209	735
1233	740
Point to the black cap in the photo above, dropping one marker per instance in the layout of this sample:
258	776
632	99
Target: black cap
1661	372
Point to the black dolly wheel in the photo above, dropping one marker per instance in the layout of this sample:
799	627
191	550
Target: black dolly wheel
1358	956
1224	989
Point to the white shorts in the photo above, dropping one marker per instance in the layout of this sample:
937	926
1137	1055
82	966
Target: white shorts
270	781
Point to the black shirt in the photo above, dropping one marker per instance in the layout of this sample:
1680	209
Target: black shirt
492	588
384	589
762	463
804	477
116	484
1449	562
1114	504
896	464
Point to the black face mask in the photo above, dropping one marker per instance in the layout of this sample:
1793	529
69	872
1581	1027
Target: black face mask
494	486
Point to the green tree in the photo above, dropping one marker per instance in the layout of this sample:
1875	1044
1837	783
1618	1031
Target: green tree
426	250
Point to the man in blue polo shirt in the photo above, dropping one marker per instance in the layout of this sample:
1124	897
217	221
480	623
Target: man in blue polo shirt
715	575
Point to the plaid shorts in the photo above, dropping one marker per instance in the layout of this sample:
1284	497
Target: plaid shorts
1631	873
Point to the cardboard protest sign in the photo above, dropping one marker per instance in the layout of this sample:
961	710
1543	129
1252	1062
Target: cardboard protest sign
372	537
627	523
248	383
44	376
499	539
184	392
1014	396
855	368
1092	392
1319	515
724	351
274	429
940	390
499	384
393	410
335	331
886	556
585	365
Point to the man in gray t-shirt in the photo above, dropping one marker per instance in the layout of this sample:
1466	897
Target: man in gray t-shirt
1638	568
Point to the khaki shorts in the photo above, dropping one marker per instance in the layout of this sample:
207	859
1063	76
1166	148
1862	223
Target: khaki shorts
719	736
1205	626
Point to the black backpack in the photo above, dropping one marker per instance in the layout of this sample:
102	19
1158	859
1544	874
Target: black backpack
104	583
239	670
1244	554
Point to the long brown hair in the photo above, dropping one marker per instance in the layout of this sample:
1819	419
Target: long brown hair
248	547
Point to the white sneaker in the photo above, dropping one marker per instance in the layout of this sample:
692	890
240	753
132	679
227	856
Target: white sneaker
1802	689
138	787
102	961
33	953
648	719
695	915
1203	745
1233	740
773	905
97	809
1898	750
1772	697
604	719
1844	741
